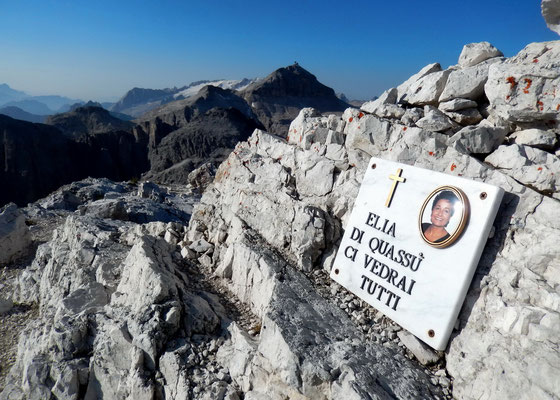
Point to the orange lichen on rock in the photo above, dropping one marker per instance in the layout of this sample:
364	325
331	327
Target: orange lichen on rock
360	115
535	60
511	81
431	153
539	169
404	128
453	166
508	97
528	82
540	105
558	107
350	119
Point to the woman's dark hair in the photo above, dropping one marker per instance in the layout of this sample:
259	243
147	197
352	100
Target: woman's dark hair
446	195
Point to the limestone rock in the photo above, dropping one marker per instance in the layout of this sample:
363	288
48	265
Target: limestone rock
520	92
201	177
389	111
287	359
434	120
539	138
467	116
412	115
467	82
14	234
530	166
428	89
201	246
387	97
456	104
480	139
422	352
150	190
402	89
551	12
475	53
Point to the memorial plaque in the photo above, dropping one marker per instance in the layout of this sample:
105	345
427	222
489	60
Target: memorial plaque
412	245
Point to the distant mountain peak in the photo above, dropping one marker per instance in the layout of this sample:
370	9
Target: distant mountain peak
290	81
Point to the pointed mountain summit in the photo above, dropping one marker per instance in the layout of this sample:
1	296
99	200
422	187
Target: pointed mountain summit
279	97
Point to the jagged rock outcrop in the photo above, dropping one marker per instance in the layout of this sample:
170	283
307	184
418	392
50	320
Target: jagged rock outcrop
278	98
295	196
88	120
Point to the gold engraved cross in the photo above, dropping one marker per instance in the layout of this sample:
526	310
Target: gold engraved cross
396	179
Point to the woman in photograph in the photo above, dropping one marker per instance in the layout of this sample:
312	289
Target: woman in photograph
443	209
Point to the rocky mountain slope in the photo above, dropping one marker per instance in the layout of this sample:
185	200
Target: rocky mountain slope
38	158
87	120
153	293
185	134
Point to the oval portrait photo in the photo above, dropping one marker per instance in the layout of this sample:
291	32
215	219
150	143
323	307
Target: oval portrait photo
444	216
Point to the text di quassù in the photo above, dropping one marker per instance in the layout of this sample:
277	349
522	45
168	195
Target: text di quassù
374	262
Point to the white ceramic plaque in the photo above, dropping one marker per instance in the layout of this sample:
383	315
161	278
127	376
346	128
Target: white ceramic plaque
412	245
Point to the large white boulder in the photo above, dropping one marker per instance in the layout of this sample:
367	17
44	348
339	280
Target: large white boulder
474	53
467	82
535	137
434	120
428	89
525	88
479	139
529	165
402	89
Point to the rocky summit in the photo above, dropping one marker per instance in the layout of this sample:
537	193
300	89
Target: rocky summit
142	291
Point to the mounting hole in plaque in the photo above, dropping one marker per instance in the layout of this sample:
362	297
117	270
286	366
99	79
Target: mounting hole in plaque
444	216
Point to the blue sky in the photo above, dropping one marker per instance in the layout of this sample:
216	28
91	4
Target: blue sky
99	49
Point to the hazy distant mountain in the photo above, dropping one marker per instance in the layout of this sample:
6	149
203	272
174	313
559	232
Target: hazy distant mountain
108	105
105	105
88	120
8	94
18	113
278	98
39	105
139	100
31	106
56	103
